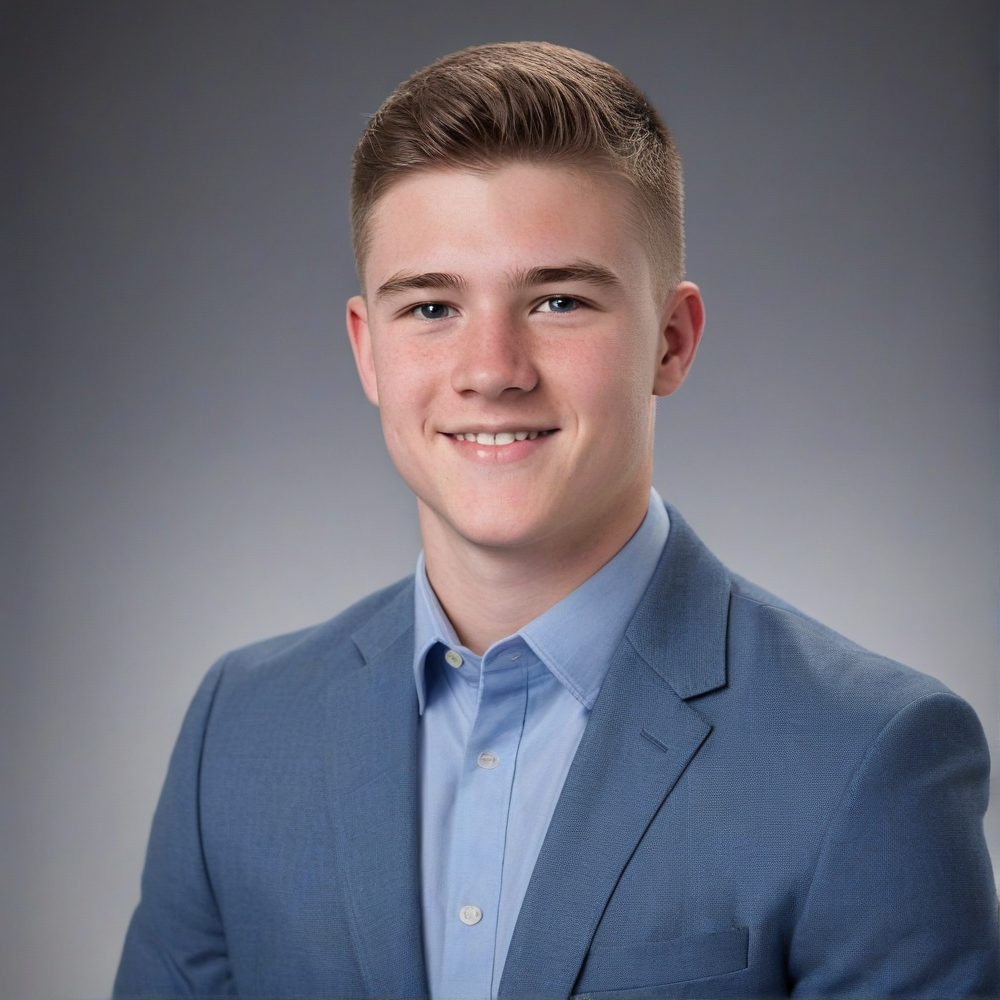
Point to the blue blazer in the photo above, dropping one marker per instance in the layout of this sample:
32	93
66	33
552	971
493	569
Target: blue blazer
758	808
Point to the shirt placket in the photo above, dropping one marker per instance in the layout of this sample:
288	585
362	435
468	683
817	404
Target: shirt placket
481	812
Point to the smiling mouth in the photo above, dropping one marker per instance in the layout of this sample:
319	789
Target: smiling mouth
502	438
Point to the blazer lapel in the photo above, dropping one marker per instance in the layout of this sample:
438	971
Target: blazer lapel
374	800
640	737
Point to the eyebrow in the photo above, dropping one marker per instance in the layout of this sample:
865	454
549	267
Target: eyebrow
404	281
578	270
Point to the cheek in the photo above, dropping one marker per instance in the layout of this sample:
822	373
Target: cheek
406	387
612	385
401	423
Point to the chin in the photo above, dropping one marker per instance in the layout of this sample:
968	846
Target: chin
499	532
499	524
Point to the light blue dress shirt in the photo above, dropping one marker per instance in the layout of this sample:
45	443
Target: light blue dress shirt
497	736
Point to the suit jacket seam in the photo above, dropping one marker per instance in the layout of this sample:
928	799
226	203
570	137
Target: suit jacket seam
806	620
209	713
153	926
847	796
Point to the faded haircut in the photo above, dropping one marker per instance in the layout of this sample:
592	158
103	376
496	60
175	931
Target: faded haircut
533	102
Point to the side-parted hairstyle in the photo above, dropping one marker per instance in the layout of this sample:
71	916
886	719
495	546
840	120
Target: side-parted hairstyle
534	102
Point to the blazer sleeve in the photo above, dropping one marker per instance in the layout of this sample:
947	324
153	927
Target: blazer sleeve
175	945
902	901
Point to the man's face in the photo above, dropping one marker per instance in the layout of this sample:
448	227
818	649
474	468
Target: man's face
512	340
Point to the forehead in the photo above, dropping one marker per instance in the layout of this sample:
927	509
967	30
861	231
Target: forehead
482	224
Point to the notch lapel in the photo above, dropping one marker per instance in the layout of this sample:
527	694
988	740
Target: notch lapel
374	801
640	737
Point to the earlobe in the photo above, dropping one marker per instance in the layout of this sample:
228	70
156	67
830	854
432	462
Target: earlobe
681	329
359	333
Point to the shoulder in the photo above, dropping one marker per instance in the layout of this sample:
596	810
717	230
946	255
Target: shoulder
791	648
273	691
760	669
315	652
793	681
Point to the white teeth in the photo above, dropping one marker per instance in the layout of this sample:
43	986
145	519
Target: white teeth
504	437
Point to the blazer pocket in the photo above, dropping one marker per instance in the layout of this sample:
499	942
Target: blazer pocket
659	963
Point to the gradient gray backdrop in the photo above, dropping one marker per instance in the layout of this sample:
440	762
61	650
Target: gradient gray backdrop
188	463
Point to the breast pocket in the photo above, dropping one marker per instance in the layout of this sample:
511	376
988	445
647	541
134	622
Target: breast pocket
649	964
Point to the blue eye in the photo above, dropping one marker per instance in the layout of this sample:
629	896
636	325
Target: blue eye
431	310
559	304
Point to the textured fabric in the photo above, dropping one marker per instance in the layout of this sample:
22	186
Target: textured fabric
525	701
744	769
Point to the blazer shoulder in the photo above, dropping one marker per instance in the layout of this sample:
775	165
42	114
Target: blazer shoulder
329	640
802	654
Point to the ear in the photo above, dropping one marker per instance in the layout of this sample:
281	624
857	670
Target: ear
681	325
361	344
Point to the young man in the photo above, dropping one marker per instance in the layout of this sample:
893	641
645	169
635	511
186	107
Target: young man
573	754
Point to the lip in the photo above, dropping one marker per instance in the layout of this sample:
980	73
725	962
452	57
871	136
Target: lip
500	454
501	429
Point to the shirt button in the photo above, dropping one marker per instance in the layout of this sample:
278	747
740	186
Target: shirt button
488	759
453	659
470	915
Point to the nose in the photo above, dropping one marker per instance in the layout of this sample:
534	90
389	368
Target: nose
495	357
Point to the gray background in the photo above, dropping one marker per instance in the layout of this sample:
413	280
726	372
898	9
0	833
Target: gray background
188	464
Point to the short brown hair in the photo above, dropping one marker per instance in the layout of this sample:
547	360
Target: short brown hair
525	101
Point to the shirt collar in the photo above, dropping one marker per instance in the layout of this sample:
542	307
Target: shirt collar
575	638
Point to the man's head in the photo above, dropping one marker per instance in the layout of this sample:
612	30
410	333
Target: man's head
510	290
490	105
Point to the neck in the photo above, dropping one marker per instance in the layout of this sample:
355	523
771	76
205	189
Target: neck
489	592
